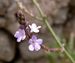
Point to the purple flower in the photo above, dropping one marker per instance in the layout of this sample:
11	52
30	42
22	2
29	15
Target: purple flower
20	35
35	44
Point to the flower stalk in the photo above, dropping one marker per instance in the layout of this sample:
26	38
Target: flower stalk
51	31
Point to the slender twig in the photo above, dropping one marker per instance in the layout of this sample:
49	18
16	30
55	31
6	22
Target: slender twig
47	49
24	9
51	31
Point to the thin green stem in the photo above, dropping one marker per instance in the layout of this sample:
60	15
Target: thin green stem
51	31
71	41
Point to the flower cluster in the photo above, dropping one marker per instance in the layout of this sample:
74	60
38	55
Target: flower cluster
27	30
20	34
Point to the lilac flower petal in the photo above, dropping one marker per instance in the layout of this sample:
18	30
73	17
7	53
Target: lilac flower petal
23	37
39	41
34	37
16	34
22	32
30	41
20	35
19	39
35	44
31	47
37	47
